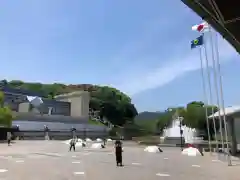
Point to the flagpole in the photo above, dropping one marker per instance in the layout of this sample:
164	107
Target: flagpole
222	100
210	92
216	85
205	100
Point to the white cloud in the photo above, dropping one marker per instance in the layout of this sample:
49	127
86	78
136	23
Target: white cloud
178	63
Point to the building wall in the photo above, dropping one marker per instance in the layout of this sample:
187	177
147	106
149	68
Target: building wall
79	106
55	126
236	126
79	103
20	103
24	107
12	101
30	116
58	107
85	104
74	104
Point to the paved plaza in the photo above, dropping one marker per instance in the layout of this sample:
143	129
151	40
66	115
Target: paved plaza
50	160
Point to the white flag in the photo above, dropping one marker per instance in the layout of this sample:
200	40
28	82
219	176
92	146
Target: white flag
201	27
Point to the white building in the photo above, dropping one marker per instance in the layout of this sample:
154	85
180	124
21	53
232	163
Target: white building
233	125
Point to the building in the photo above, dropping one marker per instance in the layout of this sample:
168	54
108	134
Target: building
13	96
79	102
59	114
75	104
233	124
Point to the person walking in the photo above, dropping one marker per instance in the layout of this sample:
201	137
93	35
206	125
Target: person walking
72	144
118	152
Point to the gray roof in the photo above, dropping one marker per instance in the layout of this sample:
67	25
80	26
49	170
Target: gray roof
228	111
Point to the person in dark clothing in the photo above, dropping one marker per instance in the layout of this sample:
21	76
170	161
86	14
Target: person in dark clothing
9	142
104	142
118	152
72	144
9	136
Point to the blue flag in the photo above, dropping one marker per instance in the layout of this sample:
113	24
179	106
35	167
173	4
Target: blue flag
197	42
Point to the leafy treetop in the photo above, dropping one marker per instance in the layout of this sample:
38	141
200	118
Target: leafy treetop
6	115
194	116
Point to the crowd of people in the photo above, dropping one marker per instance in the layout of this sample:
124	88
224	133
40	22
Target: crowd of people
72	146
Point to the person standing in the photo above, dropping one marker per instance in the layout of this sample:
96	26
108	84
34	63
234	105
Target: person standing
72	144
9	136
118	152
104	141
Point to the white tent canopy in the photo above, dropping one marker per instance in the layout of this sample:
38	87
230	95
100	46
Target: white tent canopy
191	152
228	111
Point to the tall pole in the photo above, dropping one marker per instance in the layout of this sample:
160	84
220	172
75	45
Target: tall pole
181	132
205	100
210	92
180	129
216	86
222	101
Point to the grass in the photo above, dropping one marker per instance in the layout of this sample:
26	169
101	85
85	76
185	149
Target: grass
147	140
90	121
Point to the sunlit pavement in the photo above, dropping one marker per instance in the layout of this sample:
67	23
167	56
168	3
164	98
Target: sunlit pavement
50	160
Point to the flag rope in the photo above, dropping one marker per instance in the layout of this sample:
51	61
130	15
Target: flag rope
205	100
217	76
222	101
216	85
210	92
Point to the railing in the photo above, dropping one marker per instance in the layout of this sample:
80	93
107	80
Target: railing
59	134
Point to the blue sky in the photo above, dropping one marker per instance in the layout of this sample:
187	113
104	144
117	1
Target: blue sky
140	47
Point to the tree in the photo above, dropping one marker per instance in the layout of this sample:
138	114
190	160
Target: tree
51	95
6	115
165	119
195	116
1	99
16	83
112	104
4	82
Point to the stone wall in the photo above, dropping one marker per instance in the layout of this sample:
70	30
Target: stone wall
62	135
57	126
31	116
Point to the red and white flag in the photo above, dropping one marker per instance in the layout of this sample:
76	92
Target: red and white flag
201	27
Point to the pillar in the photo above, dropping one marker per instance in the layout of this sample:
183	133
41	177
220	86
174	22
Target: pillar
50	110
24	107
232	135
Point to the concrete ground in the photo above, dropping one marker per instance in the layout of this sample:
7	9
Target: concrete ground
50	160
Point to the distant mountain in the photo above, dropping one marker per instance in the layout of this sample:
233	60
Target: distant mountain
143	116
